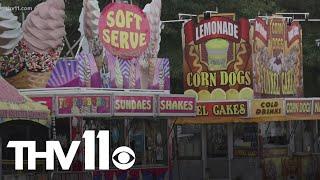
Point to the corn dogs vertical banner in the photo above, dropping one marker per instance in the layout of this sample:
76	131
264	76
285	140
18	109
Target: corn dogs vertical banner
217	56
277	58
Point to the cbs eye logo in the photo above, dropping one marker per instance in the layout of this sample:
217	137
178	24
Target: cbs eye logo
123	158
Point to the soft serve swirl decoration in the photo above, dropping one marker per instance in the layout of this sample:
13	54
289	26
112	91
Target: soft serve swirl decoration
44	27
10	31
10	35
44	30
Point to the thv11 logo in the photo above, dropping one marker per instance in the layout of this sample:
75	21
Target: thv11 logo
123	157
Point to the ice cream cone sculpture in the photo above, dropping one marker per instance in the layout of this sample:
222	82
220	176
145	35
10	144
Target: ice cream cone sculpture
10	31
89	29
153	12
10	35
42	43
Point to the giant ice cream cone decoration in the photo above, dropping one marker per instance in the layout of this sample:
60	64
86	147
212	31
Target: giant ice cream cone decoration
10	31
91	18
42	43
44	27
10	35
90	29
153	12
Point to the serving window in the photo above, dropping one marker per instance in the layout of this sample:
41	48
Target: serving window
305	137
245	139
189	142
275	134
146	137
217	139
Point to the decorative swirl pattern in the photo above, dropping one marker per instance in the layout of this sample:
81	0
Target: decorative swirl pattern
239	62
196	62
119	76
132	75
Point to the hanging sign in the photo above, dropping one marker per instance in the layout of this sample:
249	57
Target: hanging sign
223	109
298	107
277	58
84	106
176	105
217	63
267	107
124	30
133	105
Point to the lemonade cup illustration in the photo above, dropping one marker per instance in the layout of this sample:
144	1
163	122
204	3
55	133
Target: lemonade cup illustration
217	50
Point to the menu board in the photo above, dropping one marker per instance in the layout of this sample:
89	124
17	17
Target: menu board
223	109
84	105
298	107
134	105
267	107
176	105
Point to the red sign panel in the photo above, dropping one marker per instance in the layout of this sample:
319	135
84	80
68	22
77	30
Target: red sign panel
177	105
223	109
124	30
217	58
84	105
133	105
47	101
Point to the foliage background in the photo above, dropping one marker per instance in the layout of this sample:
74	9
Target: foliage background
171	35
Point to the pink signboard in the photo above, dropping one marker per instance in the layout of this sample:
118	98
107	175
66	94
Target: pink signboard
176	105
84	105
133	105
47	101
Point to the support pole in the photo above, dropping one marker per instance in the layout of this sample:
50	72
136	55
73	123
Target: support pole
204	150
230	148
1	158
54	138
177	152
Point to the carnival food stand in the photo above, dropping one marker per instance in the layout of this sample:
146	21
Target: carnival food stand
115	81
247	127
255	139
138	119
121	87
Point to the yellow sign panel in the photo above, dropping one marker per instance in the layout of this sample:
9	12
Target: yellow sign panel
267	107
316	107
